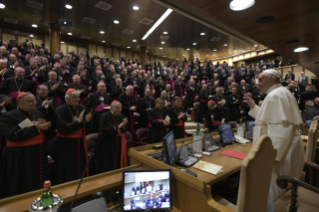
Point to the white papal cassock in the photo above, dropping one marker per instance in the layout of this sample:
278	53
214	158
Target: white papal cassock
278	117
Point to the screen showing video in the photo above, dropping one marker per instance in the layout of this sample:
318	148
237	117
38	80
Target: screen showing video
227	133
147	190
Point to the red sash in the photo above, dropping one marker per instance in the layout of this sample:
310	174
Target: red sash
203	100
180	124
215	123
99	108
149	124
123	149
78	134
39	139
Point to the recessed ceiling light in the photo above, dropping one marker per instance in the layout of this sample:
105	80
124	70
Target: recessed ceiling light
128	47
177	58
164	56
146	51
165	33
62	41
225	44
34	25
160	48
116	22
215	50
2	6
194	44
31	36
67	6
255	45
241	4
187	49
162	42
133	40
102	32
203	33
136	8
301	49
103	41
69	33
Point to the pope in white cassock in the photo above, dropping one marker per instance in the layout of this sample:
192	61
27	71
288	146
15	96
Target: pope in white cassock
278	117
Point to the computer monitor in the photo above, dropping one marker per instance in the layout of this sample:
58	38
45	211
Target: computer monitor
170	148
226	134
147	190
250	127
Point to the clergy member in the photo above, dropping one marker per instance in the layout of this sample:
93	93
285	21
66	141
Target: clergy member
214	116
71	119
55	88
45	104
278	117
145	104
233	102
111	145
178	118
24	164
129	106
157	122
97	101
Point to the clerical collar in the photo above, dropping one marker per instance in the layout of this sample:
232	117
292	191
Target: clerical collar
273	88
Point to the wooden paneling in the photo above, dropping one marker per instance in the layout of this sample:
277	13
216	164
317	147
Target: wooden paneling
72	48
7	37
92	49
82	50
285	71
22	38
108	52
100	51
137	56
123	53
63	48
297	70
116	53
37	41
47	41
309	74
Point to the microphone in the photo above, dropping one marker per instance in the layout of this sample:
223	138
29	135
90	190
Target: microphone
84	171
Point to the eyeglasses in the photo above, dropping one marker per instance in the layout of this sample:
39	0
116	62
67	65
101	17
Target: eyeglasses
31	101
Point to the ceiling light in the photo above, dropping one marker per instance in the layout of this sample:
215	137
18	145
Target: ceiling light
177	58
69	33
2	6
183	55
116	22
128	47
301	49
203	33
215	50
160	48
158	22
34	25
164	56
146	51
31	36
67	6
187	49
133	40
165	33
255	45
103	41
62	41
136	8
241	4
162	42
225	44
102	32
194	44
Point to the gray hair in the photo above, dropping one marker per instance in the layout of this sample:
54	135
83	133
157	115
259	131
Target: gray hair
310	103
3	60
19	67
74	76
70	94
52	72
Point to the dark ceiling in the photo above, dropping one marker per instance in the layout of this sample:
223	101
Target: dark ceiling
182	31
293	20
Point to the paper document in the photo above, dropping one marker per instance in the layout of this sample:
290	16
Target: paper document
25	123
241	140
167	118
208	167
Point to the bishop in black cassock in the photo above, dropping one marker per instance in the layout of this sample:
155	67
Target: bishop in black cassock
71	144
145	104
214	116
178	118
129	106
24	164
111	145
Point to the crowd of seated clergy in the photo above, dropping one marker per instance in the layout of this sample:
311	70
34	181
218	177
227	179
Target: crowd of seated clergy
65	96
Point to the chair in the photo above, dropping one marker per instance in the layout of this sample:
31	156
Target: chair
308	195
136	117
92	138
141	133
194	112
255	176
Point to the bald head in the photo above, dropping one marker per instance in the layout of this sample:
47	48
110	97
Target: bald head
147	92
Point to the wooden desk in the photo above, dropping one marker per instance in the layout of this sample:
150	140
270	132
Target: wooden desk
193	193
89	186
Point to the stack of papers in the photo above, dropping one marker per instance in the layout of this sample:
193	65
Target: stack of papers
241	140
208	167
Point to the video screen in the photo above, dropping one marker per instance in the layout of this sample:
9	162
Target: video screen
147	190
227	133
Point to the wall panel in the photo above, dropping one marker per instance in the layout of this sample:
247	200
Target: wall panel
116	54
63	48
47	41
82	50
73	48
36	41
108	52
297	71
100	51
136	56
123	53
7	37
22	38
92	49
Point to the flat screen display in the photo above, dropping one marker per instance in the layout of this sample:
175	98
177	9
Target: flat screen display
147	190
227	134
170	148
